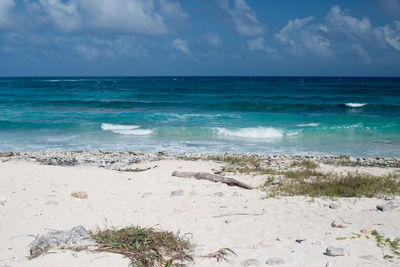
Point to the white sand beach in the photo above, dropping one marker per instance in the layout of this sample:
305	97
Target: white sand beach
37	199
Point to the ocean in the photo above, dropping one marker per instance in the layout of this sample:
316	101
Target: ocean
265	115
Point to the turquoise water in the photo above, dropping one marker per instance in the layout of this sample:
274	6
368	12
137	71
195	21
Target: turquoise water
267	115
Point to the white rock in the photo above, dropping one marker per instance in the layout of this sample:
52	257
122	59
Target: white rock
250	262
3	200
275	261
334	251
386	206
177	193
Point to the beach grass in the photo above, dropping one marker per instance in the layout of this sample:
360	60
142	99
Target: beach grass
145	246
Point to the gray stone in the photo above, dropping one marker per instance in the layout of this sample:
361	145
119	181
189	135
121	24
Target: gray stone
177	193
77	236
275	261
337	224
385	207
334	251
250	262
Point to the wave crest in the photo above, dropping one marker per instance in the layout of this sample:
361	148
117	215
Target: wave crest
355	105
259	132
125	129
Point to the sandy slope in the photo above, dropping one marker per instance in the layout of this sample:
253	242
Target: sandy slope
39	199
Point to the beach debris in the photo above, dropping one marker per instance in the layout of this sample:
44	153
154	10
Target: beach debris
334	251
3	200
211	177
127	169
221	254
275	261
250	262
177	193
386	206
79	194
76	237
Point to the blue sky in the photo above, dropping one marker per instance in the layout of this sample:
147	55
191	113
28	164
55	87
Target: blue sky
199	37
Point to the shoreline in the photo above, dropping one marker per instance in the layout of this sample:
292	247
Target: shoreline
128	188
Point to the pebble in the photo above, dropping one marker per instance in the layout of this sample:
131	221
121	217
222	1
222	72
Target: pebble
147	194
250	262
366	231
385	207
334	251
3	200
177	193
275	261
337	224
334	206
79	194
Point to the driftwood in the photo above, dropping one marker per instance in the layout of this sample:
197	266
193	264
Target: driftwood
212	177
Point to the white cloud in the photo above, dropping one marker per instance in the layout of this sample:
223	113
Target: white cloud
65	17
124	16
5	8
346	24
300	39
259	44
392	34
362	53
243	17
213	39
181	45
172	9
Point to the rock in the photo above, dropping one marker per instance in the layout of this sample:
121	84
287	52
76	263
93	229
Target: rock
80	194
77	236
250	262
334	251
397	251
177	193
3	200
6	154
333	206
337	224
385	207
275	261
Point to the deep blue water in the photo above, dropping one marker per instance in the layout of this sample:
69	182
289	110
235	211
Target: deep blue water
356	116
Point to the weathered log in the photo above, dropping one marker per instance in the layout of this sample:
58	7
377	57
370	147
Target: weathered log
212	177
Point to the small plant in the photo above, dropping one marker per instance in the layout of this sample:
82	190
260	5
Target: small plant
145	246
393	244
220	254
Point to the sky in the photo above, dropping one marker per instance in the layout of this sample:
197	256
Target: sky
199	37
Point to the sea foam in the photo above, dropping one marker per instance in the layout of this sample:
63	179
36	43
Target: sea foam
125	129
308	125
355	105
259	132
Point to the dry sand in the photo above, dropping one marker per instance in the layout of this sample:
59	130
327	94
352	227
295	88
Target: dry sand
38	199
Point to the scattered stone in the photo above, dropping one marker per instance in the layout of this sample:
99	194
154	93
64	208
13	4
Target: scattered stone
366	231
300	240
77	236
228	221
337	224
147	194
79	194
397	251
177	193
250	262
3	200
51	202
334	251
334	206
275	261
275	182
385	207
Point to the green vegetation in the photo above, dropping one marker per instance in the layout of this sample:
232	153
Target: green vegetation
305	164
145	246
392	244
